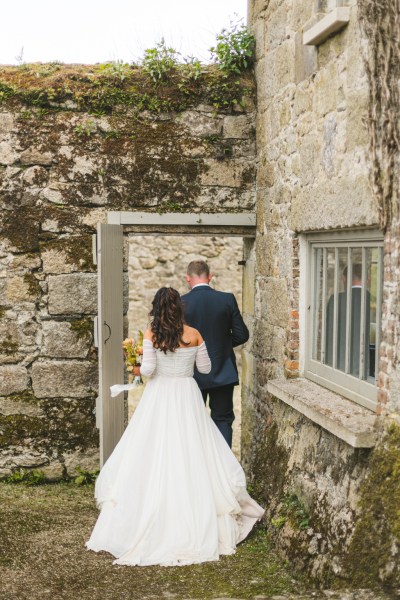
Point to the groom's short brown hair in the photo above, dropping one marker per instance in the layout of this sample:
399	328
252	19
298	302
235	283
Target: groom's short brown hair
198	267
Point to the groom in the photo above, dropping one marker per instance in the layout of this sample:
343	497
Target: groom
216	315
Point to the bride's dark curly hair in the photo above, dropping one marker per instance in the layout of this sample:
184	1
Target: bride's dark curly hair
167	320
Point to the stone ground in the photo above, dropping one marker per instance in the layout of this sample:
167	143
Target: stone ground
42	555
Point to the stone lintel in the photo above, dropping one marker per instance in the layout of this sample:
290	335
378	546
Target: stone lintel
334	21
345	419
228	230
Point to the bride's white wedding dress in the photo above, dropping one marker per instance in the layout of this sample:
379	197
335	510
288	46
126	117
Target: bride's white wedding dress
172	492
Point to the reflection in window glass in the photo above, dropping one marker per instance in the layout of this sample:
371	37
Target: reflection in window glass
346	306
318	304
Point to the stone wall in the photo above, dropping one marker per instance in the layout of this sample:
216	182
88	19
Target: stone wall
157	260
313	175
76	142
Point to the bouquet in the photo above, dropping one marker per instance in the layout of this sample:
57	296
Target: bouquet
133	352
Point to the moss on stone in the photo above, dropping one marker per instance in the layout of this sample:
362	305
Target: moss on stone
89	88
77	250
3	310
8	346
82	327
27	396
15	428
65	425
373	552
33	285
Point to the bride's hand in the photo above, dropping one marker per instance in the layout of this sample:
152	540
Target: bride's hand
136	371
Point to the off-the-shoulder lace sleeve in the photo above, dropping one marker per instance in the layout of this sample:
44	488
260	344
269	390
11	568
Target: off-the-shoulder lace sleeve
149	359
203	362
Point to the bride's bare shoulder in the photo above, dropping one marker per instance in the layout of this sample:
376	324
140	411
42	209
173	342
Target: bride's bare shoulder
192	335
148	334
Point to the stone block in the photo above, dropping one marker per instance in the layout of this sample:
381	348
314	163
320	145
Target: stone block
35	176
258	31
6	122
356	122
248	288
17	336
333	204
13	378
277	302
235	173
89	460
61	340
60	379
74	293
35	156
8	156
24	288
240	127
302	99
200	124
305	59
279	69
309	149
326	89
54	471
53	196
15	405
68	254
275	26
247	375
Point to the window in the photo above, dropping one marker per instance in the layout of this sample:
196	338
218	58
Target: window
344	312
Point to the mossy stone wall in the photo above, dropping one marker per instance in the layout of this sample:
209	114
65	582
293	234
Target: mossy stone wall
75	142
314	174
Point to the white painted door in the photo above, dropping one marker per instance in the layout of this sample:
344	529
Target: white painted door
110	411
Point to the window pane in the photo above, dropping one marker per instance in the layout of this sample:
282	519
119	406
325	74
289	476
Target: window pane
317	316
371	311
341	310
330	307
356	309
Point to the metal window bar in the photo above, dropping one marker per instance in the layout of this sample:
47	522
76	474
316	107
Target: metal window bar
348	308
324	286
379	278
335	308
361	373
316	257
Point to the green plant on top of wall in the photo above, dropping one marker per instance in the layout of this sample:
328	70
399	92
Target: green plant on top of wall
235	48
160	61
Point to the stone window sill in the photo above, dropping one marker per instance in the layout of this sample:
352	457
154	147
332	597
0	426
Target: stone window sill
327	26
345	419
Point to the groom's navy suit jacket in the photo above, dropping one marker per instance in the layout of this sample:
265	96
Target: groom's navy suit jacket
216	315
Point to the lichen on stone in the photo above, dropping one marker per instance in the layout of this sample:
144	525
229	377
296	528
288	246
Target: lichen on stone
82	327
373	553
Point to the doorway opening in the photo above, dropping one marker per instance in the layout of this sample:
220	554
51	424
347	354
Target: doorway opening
111	243
156	260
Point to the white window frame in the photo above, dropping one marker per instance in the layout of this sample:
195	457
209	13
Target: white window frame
358	390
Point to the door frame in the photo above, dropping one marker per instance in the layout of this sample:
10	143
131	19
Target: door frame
223	224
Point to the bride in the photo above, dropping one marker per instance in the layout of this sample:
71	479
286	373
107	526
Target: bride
172	492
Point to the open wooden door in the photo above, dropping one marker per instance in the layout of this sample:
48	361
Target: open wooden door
110	411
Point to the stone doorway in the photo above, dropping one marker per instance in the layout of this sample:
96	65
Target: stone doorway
113	286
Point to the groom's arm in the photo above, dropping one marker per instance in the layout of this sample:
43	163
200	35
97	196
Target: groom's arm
240	333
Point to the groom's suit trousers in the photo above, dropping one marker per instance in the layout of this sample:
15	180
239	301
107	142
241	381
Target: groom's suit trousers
216	315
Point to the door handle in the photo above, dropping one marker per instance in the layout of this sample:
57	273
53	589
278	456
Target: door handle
109	332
